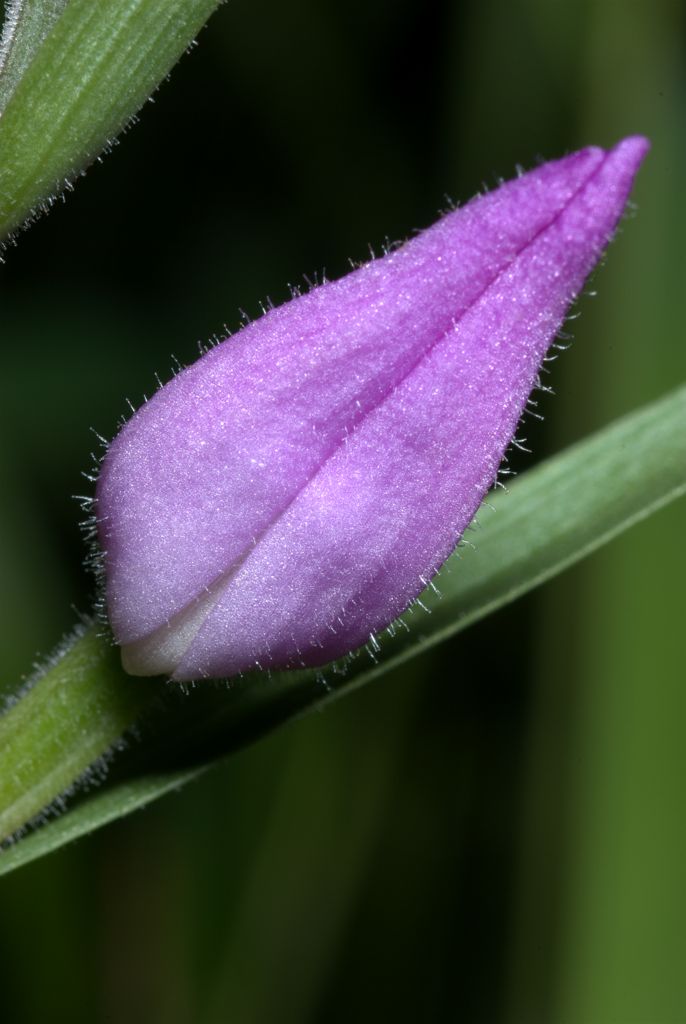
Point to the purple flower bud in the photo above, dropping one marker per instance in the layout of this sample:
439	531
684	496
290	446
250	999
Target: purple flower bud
291	492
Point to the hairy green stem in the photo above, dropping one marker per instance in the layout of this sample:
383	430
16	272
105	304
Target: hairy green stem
75	711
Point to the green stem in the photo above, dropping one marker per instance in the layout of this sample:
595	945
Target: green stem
69	718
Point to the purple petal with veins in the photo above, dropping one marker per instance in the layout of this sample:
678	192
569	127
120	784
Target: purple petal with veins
294	490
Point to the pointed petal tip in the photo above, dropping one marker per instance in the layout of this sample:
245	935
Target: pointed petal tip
627	155
630	152
637	144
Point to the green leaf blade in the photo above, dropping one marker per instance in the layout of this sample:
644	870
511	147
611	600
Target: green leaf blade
571	505
95	68
553	516
26	26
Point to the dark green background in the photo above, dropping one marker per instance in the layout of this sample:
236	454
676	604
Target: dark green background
496	834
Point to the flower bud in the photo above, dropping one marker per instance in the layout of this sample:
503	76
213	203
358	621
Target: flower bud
289	494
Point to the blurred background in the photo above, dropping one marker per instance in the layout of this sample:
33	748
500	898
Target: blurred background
497	833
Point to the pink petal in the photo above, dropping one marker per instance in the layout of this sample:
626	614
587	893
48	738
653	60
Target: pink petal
291	492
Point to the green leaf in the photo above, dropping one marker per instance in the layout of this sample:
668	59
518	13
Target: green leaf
71	82
553	516
26	25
